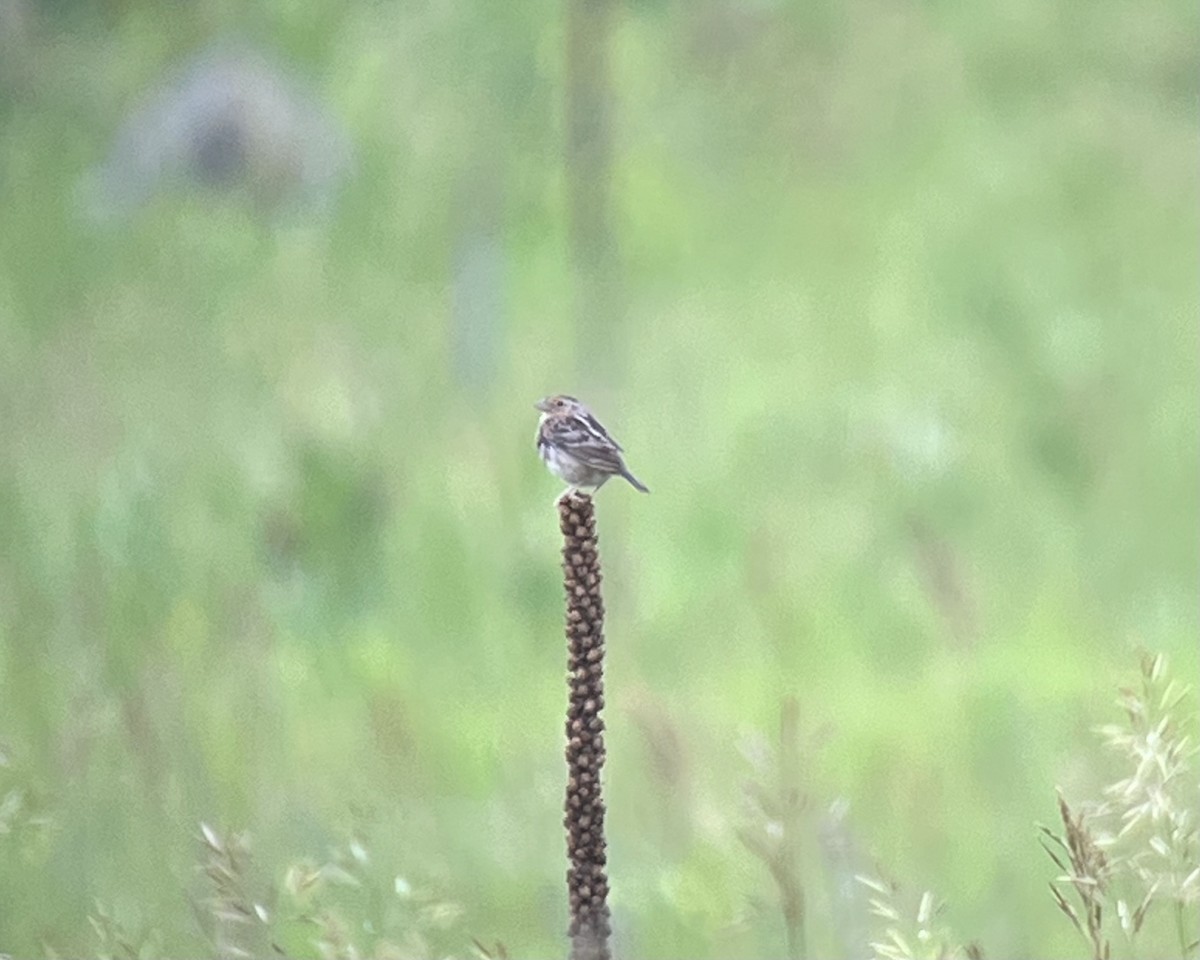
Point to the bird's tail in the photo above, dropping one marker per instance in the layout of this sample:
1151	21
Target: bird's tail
634	481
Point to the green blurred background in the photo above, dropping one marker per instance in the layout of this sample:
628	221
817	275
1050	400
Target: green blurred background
896	318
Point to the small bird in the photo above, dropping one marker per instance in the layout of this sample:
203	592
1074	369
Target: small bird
575	446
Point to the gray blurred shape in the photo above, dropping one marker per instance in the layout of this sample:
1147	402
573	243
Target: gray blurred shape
229	119
844	862
477	308
14	44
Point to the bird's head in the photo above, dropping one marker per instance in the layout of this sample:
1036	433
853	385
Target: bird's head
559	403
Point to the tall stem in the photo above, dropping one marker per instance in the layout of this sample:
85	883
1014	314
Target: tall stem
587	881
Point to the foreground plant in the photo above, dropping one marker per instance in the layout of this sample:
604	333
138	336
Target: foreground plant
341	908
911	934
1136	853
1087	873
239	924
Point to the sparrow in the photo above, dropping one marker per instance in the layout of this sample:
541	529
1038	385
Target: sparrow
575	446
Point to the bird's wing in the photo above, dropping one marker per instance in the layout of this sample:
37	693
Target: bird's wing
598	428
579	437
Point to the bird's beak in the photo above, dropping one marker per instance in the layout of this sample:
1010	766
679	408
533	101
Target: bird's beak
543	405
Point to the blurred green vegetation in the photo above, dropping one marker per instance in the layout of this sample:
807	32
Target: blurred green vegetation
910	366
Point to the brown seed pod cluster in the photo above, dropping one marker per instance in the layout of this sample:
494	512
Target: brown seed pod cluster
587	881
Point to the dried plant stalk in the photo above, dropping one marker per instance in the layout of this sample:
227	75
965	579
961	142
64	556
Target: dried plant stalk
587	881
1085	867
775	835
